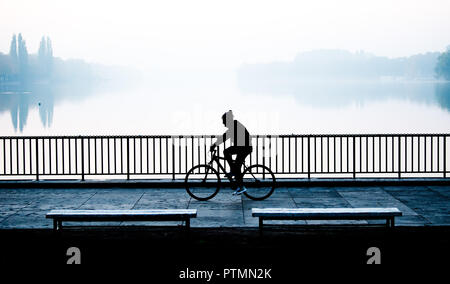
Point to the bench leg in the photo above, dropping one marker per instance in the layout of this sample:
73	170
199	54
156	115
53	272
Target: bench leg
60	225
390	222
187	232
188	224
55	225
260	226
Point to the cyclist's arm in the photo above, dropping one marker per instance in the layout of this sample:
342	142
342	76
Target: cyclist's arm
222	138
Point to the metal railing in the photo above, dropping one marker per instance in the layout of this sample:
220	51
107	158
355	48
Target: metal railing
293	156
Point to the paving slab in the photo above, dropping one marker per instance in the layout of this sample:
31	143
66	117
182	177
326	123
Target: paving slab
443	190
216	205
112	199
218	218
411	220
162	200
318	202
27	219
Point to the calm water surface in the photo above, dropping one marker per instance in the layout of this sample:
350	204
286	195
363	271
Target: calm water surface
196	108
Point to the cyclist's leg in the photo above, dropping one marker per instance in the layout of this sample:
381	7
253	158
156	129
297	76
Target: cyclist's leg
227	153
242	154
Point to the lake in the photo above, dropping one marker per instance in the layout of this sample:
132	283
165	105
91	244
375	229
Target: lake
196	106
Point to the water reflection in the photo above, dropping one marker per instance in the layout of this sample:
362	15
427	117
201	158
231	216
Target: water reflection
45	105
19	99
442	93
331	94
19	105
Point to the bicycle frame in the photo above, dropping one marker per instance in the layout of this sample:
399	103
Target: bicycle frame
217	158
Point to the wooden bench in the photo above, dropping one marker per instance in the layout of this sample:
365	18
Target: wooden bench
59	216
326	214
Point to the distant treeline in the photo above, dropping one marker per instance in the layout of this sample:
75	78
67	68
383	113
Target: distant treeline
344	65
18	65
21	67
443	65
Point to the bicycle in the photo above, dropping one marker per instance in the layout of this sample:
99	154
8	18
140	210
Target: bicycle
203	181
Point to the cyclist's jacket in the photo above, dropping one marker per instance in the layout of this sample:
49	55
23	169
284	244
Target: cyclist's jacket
237	133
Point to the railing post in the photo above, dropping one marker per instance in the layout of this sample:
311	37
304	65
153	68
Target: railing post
309	157
173	158
445	157
400	157
128	158
37	158
354	157
82	159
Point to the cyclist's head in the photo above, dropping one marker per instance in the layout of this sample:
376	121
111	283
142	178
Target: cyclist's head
227	118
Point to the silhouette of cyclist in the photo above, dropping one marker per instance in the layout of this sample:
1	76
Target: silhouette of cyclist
241	146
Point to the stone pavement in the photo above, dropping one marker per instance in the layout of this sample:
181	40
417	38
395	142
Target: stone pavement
421	205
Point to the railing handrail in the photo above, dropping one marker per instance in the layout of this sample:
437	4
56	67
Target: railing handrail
215	135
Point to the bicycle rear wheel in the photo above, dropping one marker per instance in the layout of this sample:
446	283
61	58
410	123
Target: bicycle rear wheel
259	181
202	182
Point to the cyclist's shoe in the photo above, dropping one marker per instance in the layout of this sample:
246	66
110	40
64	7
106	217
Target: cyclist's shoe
240	190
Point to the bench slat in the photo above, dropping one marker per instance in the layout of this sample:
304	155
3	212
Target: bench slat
98	214
325	212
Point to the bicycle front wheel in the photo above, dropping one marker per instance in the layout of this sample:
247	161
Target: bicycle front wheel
202	182
259	181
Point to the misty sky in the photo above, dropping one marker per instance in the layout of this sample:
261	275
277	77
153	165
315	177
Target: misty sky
220	35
